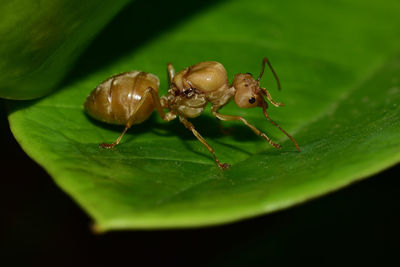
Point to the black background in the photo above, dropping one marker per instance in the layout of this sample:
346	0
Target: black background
358	225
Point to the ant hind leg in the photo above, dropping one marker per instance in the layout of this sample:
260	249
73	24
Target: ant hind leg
149	92
116	142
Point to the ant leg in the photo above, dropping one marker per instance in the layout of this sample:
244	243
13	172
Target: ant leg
283	131
171	72
239	118
166	117
190	126
268	95
116	142
129	123
149	92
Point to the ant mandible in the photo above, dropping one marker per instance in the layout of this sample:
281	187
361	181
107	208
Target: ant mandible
129	98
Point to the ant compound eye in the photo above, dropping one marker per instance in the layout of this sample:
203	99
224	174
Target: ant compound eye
252	100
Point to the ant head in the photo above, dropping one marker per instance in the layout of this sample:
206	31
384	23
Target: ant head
249	94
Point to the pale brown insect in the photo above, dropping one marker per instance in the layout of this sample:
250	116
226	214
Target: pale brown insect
129	98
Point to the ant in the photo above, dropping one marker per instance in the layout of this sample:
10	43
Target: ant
129	98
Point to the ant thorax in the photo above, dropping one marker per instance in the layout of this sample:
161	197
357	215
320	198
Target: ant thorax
222	96
193	87
188	102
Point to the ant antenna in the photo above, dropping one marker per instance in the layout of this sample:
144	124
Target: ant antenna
265	60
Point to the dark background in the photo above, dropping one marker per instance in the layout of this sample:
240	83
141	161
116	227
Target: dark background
358	225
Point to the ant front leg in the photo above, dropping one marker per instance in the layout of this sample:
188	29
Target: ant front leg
239	118
268	95
190	126
265	106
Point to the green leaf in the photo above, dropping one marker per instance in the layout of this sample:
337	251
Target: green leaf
40	40
339	65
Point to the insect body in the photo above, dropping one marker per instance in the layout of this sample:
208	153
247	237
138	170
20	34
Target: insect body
129	98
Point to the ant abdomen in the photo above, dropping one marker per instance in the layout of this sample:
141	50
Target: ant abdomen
115	99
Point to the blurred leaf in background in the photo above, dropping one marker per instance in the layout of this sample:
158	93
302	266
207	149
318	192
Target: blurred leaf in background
40	40
339	65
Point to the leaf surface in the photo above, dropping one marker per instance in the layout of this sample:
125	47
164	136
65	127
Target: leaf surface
339	65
